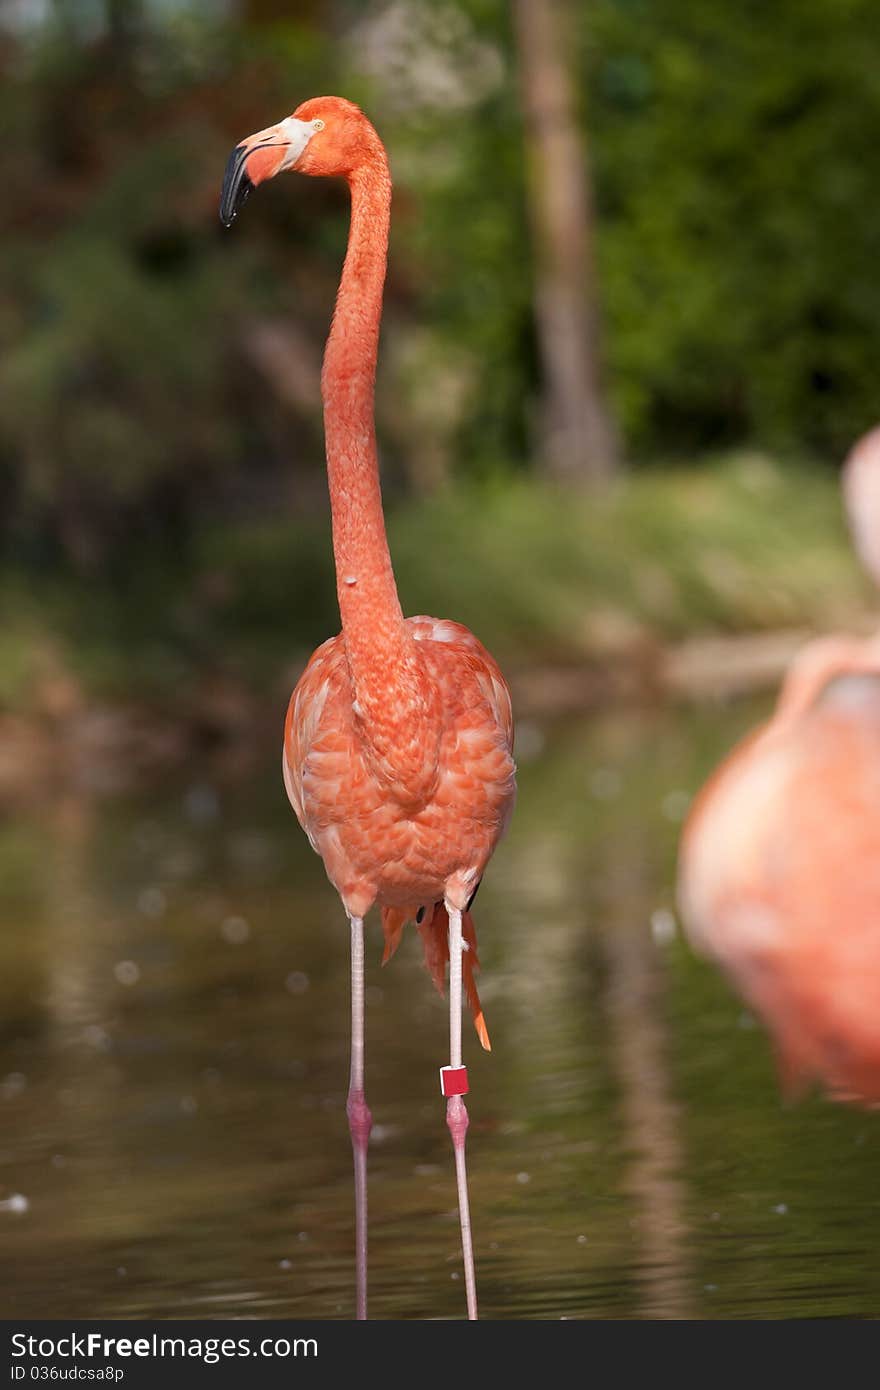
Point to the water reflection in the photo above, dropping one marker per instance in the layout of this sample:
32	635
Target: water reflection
173	1069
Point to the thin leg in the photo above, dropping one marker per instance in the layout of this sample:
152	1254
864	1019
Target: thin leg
360	1121
456	1111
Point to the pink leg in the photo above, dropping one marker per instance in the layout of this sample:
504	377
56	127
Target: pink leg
360	1121
456	1111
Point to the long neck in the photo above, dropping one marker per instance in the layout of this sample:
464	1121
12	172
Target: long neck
388	685
368	601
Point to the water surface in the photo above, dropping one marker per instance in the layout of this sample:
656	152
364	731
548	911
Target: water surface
174	1064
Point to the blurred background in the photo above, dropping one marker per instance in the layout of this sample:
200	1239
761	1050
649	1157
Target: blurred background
630	332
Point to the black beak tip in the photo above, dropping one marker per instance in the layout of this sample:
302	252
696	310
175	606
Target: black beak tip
236	186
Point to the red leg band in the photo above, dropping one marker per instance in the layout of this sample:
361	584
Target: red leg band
453	1081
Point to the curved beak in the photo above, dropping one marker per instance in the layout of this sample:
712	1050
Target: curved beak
258	158
236	185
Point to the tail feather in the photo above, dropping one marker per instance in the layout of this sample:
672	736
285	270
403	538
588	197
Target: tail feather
434	932
394	919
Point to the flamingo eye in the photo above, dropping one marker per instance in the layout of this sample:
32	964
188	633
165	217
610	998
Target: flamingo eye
318	124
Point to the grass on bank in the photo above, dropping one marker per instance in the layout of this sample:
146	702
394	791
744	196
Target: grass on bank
742	544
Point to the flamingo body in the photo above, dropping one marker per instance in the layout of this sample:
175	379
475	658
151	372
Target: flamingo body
382	842
779	864
779	871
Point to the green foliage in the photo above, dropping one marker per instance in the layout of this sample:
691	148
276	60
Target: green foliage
123	408
662	554
738	213
736	545
731	152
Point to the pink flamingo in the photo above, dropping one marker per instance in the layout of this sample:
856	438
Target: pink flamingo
398	742
779	867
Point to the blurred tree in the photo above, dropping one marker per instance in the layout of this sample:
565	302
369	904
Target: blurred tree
123	21
456	374
131	399
740	219
579	440
153	372
259	12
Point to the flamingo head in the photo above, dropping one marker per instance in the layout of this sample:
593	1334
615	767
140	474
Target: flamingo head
326	136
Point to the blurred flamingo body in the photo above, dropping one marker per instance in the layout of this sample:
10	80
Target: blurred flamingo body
861	493
779	867
397	751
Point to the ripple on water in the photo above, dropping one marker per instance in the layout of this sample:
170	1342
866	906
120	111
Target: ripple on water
173	1067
